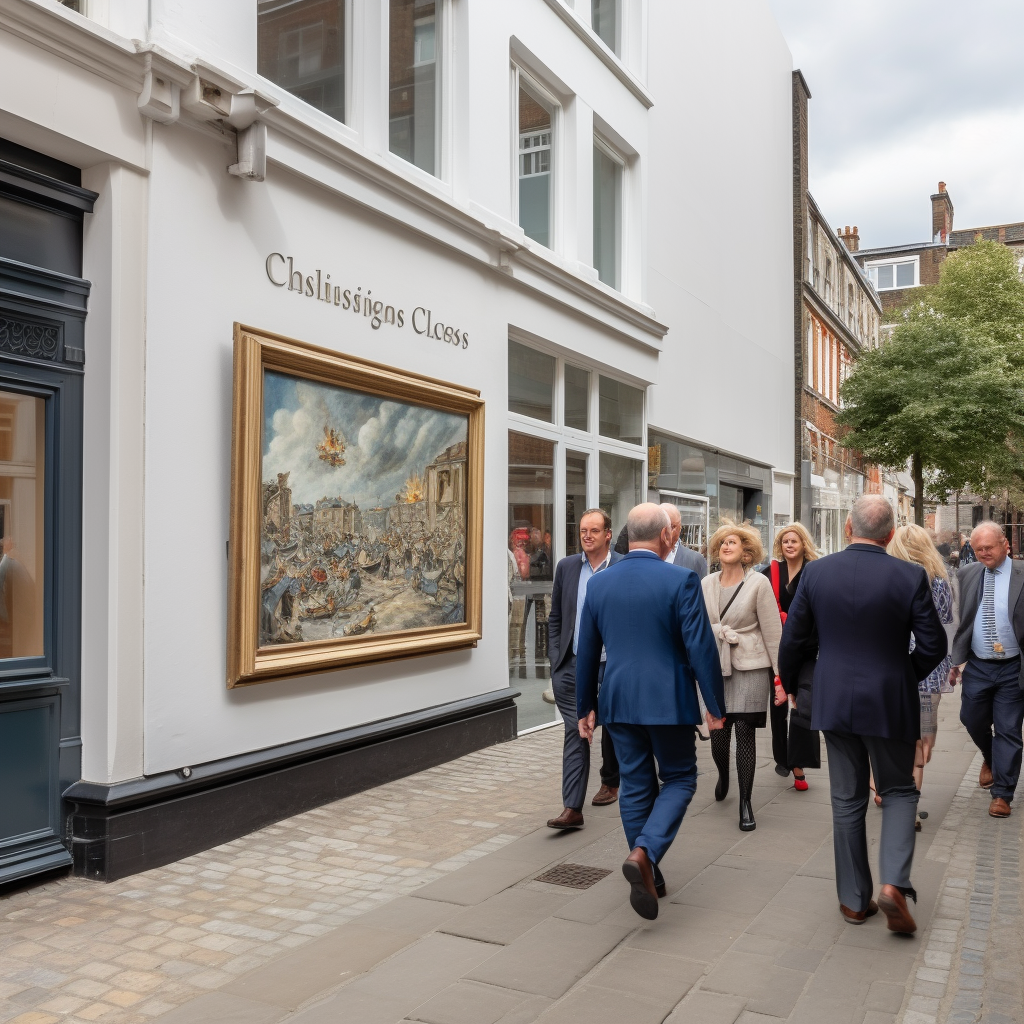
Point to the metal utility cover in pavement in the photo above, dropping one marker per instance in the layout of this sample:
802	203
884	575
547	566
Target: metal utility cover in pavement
575	876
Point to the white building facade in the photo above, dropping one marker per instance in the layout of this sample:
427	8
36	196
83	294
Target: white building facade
596	196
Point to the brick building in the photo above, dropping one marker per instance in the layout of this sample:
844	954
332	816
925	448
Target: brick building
837	314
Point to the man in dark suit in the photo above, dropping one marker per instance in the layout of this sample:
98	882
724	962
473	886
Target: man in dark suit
572	578
864	605
680	554
651	619
987	657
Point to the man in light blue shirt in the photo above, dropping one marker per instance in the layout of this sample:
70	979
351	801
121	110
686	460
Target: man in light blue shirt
987	657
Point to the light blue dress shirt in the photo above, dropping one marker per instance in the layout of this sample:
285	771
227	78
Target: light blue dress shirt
1004	628
581	595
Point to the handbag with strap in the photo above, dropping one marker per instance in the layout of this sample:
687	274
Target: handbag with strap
776	584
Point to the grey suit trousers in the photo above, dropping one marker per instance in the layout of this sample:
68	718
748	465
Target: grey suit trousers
850	758
575	749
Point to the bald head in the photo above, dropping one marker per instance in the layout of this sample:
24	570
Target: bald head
647	526
675	521
986	528
870	519
990	544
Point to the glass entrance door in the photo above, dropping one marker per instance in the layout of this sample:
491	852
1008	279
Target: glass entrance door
693	511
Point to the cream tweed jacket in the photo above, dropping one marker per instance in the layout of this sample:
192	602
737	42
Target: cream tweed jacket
749	637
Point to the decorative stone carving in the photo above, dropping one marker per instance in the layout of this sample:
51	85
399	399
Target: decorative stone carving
25	338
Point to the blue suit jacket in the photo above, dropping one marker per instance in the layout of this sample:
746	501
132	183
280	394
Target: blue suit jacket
562	617
864	603
651	618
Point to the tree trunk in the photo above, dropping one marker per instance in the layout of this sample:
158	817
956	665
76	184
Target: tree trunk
918	490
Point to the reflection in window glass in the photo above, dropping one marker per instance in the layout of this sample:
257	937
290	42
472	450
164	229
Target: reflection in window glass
414	89
22	438
534	168
301	47
575	500
621	411
577	397
604	18
531	495
620	487
531	382
607	216
884	276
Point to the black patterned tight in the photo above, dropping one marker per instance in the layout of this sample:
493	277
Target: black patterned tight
746	753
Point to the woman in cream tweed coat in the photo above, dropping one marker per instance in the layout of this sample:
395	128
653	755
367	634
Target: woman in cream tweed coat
748	638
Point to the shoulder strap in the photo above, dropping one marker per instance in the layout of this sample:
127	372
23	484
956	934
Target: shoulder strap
776	582
735	594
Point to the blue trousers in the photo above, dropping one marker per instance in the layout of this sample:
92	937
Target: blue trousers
651	818
992	710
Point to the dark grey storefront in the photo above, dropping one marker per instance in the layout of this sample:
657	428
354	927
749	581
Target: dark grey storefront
43	303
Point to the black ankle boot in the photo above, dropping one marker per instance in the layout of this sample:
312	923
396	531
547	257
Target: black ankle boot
747	823
722	786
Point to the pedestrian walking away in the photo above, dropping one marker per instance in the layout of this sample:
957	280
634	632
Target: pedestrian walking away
568	594
864	605
649	617
747	627
987	657
912	544
795	746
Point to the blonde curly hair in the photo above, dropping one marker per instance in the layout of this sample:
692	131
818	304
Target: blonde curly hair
750	539
810	551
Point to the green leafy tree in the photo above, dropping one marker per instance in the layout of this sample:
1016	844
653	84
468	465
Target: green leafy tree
946	393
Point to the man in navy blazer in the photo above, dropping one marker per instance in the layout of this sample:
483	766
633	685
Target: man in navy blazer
572	577
865	604
650	617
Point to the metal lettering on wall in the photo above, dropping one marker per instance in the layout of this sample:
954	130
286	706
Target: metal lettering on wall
282	273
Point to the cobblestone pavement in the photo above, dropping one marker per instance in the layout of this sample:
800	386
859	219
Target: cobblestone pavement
126	952
971	966
419	901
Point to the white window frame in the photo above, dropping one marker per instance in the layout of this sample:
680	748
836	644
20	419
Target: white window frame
444	43
519	77
893	262
625	188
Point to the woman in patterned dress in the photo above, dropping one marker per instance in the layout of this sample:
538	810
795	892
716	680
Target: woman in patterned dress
913	544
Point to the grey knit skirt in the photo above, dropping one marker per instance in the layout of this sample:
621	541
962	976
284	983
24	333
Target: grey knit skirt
747	692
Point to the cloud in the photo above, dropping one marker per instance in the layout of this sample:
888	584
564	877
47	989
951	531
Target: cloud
907	93
385	441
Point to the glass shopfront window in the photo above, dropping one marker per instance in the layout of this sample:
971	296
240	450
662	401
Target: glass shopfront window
621	487
577	397
531	497
22	439
531	382
621	411
575	500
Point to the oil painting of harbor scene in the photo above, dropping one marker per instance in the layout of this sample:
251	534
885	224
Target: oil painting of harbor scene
363	513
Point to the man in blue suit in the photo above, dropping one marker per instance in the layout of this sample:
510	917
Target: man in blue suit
572	578
864	605
650	617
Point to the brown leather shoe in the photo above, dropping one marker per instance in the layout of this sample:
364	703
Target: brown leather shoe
567	819
858	916
643	897
893	904
999	808
605	795
985	776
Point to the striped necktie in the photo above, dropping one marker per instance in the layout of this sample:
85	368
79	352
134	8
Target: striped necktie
988	615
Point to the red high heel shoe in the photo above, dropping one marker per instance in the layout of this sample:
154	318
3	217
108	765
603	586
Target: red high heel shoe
800	783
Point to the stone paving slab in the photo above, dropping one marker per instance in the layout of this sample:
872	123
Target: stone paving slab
418	901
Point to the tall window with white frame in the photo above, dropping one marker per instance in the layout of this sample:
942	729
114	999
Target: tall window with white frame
606	21
575	441
414	85
607	214
300	46
535	159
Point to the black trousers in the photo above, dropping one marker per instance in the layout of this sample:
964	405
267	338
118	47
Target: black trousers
992	711
609	762
793	746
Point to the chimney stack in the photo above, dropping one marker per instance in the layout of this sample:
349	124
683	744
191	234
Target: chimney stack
942	216
850	238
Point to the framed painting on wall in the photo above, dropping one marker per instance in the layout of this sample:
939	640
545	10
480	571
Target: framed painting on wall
356	511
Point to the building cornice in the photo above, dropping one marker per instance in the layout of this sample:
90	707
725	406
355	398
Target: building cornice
162	79
596	46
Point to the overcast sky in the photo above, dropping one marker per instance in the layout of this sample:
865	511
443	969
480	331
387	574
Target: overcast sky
907	93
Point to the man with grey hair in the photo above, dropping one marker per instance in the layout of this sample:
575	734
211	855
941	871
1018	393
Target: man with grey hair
864	605
680	554
987	658
650	618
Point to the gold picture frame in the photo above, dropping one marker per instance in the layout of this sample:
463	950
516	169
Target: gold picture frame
277	546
